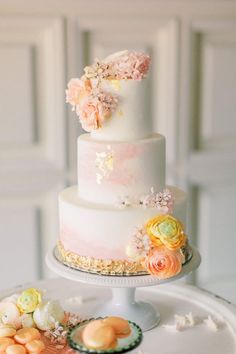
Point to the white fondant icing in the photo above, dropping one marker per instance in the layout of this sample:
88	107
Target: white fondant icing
103	232
109	170
129	121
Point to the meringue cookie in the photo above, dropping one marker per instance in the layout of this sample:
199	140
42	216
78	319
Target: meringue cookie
9	314
48	314
27	320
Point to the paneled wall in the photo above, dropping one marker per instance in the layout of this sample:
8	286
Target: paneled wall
192	101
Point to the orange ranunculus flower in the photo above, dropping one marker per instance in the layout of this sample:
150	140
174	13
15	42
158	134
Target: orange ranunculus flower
166	230
163	263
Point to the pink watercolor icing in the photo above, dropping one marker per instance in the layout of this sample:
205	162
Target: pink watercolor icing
73	242
123	154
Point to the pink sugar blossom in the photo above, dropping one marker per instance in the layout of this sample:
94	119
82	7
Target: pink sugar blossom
121	66
131	65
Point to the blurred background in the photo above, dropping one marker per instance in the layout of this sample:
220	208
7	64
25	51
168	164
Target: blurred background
193	102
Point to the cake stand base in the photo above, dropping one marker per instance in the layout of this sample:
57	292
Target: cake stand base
122	302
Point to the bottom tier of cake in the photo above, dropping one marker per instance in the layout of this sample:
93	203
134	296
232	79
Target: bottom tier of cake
97	238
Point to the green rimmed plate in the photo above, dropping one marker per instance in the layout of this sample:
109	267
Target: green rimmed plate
123	344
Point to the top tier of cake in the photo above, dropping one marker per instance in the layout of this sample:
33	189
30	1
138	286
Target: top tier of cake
110	98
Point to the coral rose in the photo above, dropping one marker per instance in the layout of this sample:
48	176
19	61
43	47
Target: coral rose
166	230
163	263
77	90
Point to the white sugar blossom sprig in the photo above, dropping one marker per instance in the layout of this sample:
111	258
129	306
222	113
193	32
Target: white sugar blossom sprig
163	201
124	202
97	70
58	335
140	245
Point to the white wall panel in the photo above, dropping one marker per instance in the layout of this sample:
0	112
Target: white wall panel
32	141
216	239
218	101
212	155
217	225
16	95
41	72
20	245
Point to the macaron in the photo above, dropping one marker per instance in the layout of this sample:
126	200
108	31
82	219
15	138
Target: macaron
120	326
26	335
15	349
98	335
7	331
36	346
4	343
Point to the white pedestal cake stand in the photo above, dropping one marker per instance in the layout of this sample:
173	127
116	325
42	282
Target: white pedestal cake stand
123	288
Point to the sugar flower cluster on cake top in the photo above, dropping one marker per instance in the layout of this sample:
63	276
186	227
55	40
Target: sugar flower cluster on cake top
91	102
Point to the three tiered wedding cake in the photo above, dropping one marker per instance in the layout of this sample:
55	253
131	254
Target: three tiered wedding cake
121	219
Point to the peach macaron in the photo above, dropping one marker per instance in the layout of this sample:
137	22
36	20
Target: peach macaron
36	346
120	326
99	335
4	343
26	335
16	349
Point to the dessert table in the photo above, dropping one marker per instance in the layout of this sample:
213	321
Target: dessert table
171	300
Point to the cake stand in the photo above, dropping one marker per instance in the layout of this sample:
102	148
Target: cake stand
122	302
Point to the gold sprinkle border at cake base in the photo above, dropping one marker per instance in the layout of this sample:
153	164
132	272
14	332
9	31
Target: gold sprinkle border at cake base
106	266
98	266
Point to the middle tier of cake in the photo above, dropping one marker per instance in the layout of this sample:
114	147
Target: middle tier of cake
108	171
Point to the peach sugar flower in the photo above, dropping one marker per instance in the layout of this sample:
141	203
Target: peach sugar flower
91	104
77	90
163	263
95	109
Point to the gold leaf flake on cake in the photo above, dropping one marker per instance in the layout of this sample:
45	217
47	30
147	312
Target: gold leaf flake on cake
115	84
120	113
104	163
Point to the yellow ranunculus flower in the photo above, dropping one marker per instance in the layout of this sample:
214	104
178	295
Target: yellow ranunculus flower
29	300
166	230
